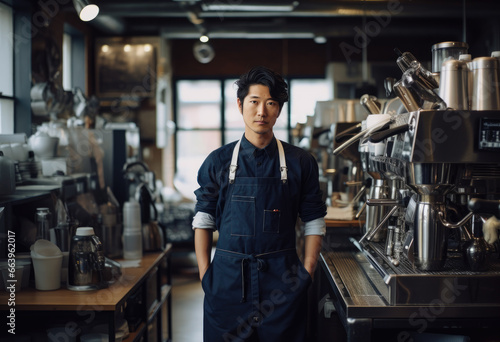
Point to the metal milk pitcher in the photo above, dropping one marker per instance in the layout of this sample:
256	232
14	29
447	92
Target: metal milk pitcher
486	92
453	87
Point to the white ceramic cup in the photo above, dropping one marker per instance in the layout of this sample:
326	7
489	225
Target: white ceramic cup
18	152
7	150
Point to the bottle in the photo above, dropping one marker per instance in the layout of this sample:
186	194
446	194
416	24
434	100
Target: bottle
132	230
43	223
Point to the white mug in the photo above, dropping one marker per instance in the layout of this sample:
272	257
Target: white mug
18	152
7	150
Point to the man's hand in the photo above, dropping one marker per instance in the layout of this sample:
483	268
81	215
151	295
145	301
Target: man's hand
312	249
203	248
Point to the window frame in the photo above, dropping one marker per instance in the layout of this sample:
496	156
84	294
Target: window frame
222	128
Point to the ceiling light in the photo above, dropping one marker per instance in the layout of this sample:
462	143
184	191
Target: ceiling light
203	52
218	6
204	38
320	39
85	10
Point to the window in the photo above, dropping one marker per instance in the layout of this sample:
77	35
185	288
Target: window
207	117
73	59
7	79
199	120
306	93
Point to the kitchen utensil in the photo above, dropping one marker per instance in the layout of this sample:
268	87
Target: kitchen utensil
47	262
423	85
453	88
112	230
132	244
408	96
374	214
60	236
152	237
430	235
44	146
43	220
132	230
486	91
370	103
404	60
445	51
86	261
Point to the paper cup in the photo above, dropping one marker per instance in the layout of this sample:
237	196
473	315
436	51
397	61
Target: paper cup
47	272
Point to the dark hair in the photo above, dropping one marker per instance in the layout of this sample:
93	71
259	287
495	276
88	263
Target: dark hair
262	75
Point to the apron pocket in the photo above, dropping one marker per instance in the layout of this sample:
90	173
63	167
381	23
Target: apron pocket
243	216
271	221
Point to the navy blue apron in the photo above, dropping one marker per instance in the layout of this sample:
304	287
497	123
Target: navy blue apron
256	286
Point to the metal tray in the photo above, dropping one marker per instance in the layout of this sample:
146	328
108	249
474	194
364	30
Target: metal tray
455	284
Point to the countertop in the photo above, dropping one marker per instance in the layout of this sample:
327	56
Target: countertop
106	299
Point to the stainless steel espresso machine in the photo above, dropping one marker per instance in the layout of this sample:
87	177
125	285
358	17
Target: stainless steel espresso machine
436	170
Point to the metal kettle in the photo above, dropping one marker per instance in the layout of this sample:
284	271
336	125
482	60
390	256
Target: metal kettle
86	261
152	234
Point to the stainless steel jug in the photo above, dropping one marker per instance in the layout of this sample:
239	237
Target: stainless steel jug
374	214
430	239
486	91
453	87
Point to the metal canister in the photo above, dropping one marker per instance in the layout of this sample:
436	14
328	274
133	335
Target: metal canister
486	92
43	219
446	50
454	84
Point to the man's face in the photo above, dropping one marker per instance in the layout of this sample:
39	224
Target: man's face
259	110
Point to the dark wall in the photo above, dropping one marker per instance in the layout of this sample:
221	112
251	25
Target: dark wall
303	57
235	56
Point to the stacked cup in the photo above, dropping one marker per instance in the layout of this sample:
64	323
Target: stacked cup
132	230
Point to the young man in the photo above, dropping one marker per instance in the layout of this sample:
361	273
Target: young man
252	191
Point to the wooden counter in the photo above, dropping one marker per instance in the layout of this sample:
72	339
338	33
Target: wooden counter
66	300
343	223
105	302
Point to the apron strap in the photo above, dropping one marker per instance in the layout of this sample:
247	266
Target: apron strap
234	162
283	167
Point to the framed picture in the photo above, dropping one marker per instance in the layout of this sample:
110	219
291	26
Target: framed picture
125	70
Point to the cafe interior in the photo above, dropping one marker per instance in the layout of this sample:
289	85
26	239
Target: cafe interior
108	108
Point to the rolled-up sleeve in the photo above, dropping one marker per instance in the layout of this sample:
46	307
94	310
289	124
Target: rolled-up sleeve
203	221
207	194
315	227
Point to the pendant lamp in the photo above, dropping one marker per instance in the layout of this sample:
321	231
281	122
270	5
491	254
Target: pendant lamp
85	10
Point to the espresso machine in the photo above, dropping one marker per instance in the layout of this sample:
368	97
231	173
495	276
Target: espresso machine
436	165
